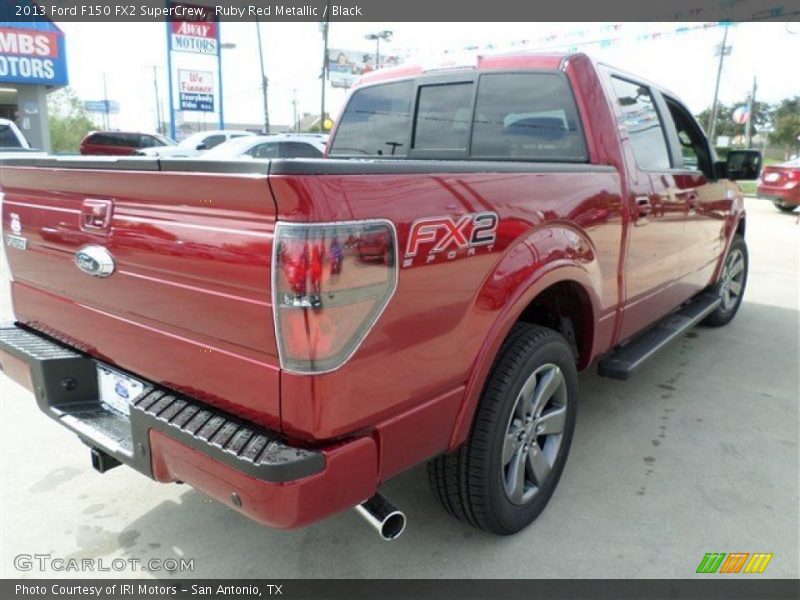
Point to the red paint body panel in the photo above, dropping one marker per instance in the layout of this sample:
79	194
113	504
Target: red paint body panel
189	305
349	478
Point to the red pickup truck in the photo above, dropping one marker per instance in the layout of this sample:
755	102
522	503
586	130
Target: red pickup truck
286	335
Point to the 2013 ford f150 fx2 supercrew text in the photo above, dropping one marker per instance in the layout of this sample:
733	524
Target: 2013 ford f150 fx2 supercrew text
286	335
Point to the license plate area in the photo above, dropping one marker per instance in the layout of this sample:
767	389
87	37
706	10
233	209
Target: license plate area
117	390
770	177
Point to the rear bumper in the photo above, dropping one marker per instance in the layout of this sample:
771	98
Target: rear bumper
172	437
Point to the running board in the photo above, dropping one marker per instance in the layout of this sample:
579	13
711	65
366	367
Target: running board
623	362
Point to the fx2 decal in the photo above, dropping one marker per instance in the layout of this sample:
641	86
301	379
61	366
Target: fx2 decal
446	238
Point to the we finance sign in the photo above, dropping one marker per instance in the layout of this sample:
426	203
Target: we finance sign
198	33
32	56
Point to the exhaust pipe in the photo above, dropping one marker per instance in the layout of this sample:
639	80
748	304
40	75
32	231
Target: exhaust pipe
383	516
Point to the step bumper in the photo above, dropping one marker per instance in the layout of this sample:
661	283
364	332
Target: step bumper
170	436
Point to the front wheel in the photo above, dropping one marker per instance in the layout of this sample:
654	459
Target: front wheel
731	284
784	206
505	473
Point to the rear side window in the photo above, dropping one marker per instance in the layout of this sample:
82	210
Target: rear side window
443	117
526	116
99	139
640	119
299	150
377	122
270	150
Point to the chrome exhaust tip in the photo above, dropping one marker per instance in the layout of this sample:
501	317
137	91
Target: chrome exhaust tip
383	516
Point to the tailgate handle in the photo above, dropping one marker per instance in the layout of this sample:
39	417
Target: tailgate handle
96	215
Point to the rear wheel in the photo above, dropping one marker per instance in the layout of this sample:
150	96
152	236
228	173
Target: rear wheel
784	206
731	284
505	473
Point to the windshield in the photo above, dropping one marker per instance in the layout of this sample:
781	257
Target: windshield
8	137
792	163
166	141
193	140
232	148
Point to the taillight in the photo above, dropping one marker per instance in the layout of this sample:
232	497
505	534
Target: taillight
793	174
330	283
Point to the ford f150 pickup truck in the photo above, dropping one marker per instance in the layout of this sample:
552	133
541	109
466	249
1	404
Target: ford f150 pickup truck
286	335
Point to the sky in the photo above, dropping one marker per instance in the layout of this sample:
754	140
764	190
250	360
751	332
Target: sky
684	63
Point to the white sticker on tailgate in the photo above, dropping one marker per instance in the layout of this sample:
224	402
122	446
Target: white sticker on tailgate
118	391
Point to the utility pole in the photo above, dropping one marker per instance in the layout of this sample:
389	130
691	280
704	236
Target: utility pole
264	80
158	101
722	51
105	104
324	26
751	105
294	111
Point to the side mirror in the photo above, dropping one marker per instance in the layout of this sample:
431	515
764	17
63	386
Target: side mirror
201	146
743	164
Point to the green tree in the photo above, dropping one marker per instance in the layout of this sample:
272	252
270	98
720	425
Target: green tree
786	124
68	120
762	118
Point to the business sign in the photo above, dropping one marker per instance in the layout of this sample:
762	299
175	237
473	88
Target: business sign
110	107
32	56
345	66
196	90
197	33
193	64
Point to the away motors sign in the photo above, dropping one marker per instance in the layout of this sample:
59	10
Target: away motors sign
198	33
196	90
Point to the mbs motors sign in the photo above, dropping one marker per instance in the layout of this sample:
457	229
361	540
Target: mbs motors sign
32	56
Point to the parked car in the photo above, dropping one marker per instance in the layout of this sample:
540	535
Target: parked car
121	143
11	137
781	184
281	145
13	142
195	144
287	339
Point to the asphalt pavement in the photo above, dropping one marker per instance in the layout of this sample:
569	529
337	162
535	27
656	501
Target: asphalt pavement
697	453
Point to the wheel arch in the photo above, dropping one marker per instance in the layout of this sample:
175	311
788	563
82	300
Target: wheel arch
529	303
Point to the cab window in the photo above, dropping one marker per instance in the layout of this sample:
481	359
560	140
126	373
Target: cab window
695	153
643	124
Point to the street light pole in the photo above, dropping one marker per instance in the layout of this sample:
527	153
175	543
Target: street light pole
222	46
377	37
264	80
325	25
106	122
158	101
723	52
751	106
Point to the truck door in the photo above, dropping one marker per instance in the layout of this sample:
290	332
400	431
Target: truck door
708	200
655	234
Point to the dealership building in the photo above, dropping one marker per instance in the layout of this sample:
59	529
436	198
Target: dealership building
33	63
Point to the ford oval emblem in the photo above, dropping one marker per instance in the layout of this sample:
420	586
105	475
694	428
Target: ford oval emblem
121	390
95	261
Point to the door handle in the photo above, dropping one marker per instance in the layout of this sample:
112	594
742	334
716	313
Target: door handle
643	210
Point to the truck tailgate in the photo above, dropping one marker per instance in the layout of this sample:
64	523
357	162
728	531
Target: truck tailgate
188	303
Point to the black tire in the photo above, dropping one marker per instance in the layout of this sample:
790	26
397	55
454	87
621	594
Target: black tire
725	312
783	206
471	482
